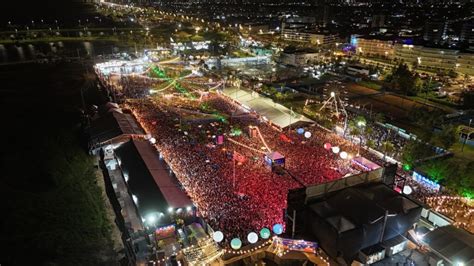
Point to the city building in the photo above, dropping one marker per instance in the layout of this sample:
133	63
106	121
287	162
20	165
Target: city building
435	32
256	28
359	221
299	57
436	58
357	70
378	21
467	34
313	37
451	244
426	57
417	55
465	63
375	47
299	23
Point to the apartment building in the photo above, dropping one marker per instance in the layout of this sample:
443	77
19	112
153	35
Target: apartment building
315	38
465	63
375	47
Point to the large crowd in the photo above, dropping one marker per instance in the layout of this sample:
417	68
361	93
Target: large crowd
459	209
256	197
380	134
241	197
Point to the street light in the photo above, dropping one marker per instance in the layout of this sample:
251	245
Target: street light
360	124
151	219
135	199
419	236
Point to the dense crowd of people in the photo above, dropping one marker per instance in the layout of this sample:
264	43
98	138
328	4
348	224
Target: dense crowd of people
380	134
256	197
459	209
243	196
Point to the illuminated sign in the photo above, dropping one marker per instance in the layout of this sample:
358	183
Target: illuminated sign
298	245
425	181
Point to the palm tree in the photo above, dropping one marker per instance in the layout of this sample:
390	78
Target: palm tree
370	143
354	129
379	117
448	135
387	147
368	131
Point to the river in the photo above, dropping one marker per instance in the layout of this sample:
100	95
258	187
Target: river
11	53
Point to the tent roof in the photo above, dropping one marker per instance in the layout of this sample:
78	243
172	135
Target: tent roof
110	105
140	182
359	209
275	155
276	113
387	198
366	162
323	209
149	178
454	244
340	223
112	125
169	186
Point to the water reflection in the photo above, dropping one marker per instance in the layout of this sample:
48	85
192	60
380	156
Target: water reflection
31	51
23	52
3	53
89	48
53	47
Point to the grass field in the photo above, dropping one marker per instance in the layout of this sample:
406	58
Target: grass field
52	208
370	85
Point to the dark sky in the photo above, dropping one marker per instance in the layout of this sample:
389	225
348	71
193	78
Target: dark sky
19	11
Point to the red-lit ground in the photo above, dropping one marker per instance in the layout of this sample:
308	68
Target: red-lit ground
206	170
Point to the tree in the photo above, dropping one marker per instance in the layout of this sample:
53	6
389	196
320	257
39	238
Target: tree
447	136
387	148
465	184
379	117
414	150
370	143
467	97
402	79
426	119
182	36
452	74
279	96
368	132
415	64
360	120
354	129
442	170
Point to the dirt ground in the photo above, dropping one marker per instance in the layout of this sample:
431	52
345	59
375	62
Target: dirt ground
392	106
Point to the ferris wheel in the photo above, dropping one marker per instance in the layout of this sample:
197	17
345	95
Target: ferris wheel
335	94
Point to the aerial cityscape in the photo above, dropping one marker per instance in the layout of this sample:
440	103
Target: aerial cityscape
237	132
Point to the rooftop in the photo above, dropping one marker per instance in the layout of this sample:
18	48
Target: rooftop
274	112
453	244
113	124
